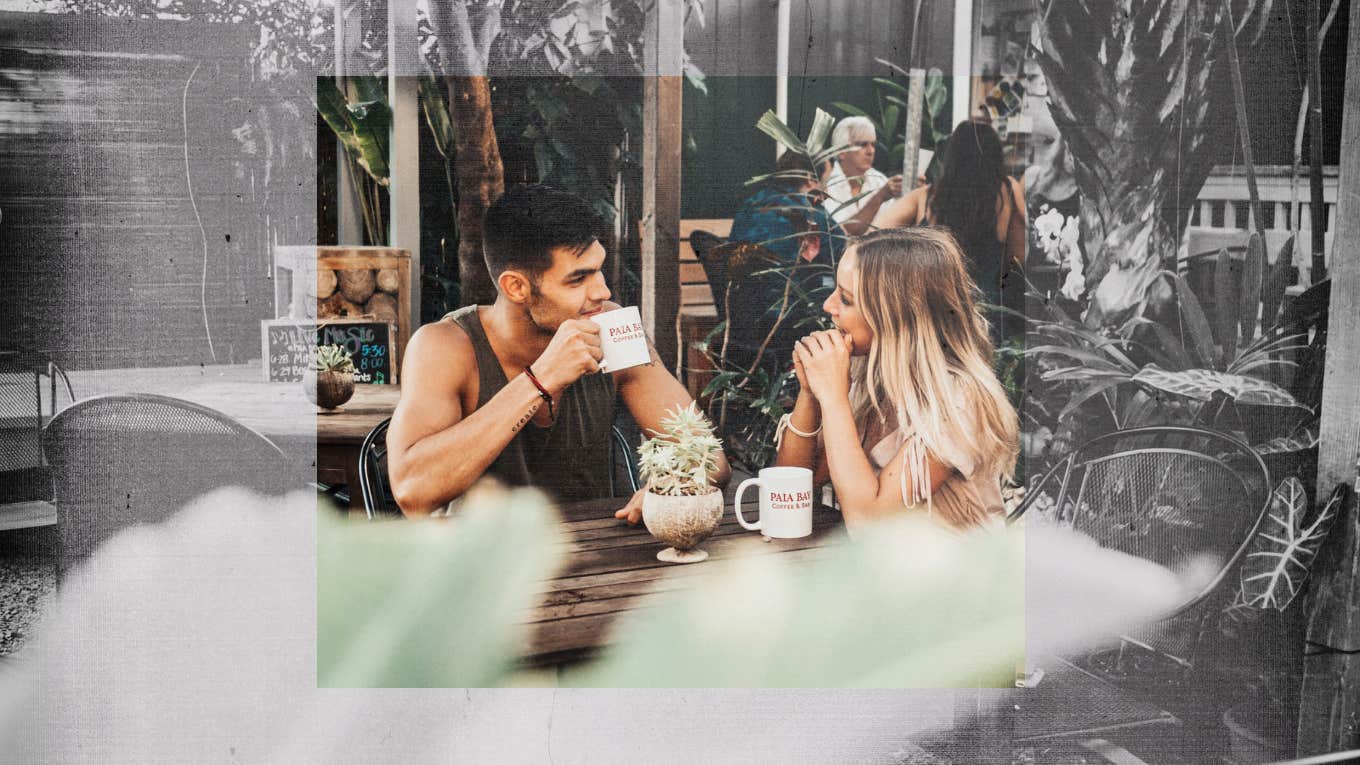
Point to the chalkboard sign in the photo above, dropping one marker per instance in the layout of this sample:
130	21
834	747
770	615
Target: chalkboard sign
289	345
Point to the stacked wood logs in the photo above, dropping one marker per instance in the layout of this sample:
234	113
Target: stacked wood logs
354	293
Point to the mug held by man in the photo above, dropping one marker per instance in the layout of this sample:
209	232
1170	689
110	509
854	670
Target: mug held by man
622	339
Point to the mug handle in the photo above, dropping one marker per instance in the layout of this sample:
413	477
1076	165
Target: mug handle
736	504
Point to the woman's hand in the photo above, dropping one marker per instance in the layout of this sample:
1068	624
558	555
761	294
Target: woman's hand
822	362
632	512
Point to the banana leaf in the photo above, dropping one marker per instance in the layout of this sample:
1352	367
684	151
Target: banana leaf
1306	438
363	127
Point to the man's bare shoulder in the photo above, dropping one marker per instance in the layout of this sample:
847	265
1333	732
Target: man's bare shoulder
441	349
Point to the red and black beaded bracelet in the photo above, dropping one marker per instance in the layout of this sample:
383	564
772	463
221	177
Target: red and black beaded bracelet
542	391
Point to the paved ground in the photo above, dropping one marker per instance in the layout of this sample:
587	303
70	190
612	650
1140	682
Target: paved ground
27	585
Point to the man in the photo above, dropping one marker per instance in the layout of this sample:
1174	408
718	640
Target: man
853	177
514	389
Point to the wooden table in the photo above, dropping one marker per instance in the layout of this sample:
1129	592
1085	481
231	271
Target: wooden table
612	569
282	412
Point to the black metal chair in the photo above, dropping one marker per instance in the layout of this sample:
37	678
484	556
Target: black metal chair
629	468
373	484
31	392
122	460
1165	494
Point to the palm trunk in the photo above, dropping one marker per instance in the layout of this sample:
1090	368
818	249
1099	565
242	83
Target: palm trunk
480	180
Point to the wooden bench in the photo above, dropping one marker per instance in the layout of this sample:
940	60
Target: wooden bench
698	314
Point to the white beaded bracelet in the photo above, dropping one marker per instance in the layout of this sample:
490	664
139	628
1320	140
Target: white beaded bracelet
786	421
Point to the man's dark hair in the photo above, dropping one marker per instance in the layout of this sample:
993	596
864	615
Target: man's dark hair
529	221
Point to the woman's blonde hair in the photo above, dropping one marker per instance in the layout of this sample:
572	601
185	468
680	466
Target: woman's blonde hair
930	364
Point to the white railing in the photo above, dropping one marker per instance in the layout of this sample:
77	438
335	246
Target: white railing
1221	217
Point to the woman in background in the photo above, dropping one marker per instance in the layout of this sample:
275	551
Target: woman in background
977	201
899	405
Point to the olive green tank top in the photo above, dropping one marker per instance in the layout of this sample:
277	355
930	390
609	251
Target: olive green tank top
570	458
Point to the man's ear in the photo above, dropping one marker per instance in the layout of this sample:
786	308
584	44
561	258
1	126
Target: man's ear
515	285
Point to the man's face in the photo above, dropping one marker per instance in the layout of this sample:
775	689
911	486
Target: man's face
573	288
858	160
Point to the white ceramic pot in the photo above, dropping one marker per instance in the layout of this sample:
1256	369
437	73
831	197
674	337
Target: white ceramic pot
682	522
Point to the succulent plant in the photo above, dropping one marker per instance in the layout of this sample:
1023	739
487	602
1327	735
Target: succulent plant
682	456
333	358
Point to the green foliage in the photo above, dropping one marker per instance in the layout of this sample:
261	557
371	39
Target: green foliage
333	358
431	604
683	457
362	122
1164	368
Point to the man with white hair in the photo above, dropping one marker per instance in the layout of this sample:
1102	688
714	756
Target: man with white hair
854	189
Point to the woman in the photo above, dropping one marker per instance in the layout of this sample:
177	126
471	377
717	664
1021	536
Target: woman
855	190
974	199
901	392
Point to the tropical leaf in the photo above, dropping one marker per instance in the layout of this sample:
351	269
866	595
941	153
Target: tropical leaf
1194	321
1086	394
437	116
1227	293
1276	282
431	604
1282	552
1253	270
820	132
850	109
1077	354
1305	438
1202	384
771	125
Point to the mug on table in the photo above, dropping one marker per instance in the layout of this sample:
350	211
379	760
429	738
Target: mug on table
785	502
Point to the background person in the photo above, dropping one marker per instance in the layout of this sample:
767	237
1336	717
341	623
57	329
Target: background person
477	385
785	216
977	201
855	190
899	405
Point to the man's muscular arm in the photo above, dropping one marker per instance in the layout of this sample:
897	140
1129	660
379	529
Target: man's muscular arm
434	453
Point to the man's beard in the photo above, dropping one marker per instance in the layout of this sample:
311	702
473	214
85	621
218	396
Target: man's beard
535	301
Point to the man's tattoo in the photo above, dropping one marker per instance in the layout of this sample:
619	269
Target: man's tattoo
529	415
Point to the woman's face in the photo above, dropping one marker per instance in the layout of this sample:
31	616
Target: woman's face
843	305
858	160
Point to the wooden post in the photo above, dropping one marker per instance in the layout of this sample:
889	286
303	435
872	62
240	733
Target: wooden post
403	68
1329	714
662	92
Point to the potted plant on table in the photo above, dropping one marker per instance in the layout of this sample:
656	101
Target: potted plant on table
330	382
681	507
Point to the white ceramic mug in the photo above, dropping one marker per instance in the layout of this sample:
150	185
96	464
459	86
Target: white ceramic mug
622	339
785	502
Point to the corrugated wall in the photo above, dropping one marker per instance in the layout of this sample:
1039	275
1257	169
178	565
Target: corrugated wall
102	250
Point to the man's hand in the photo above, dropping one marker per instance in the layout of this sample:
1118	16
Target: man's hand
892	189
573	352
632	512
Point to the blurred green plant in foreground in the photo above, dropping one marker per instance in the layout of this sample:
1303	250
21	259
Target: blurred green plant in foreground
439	604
